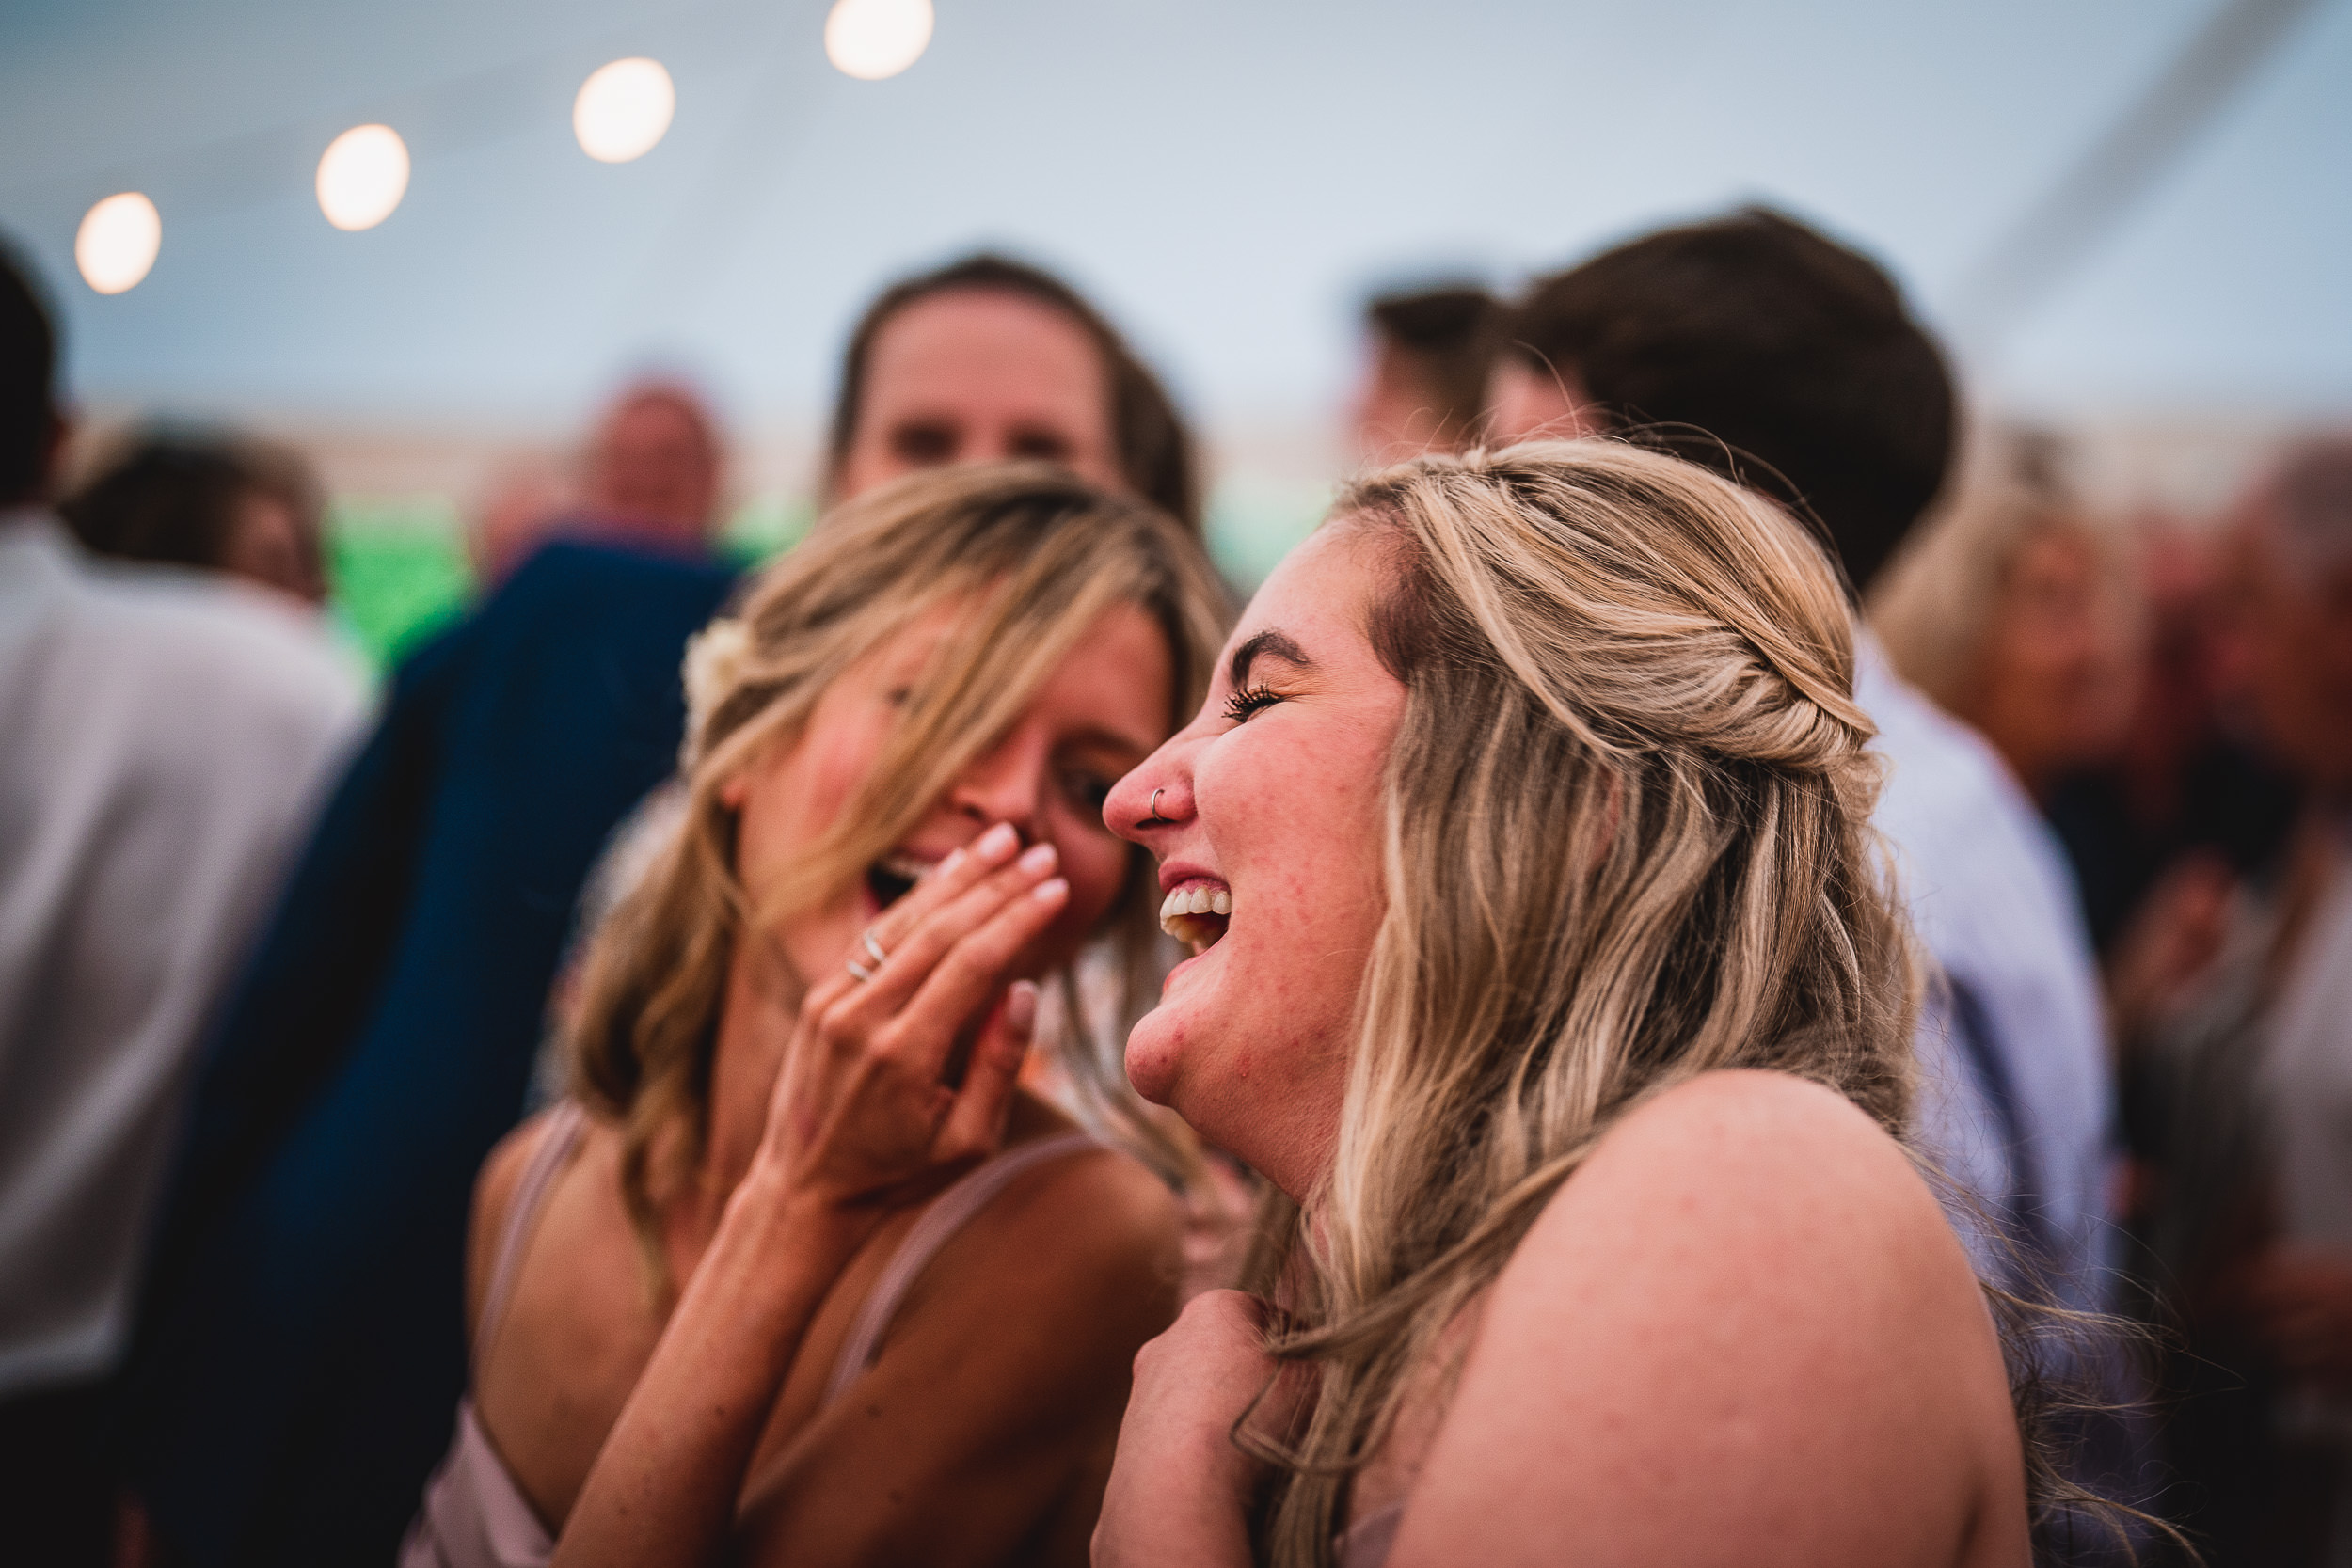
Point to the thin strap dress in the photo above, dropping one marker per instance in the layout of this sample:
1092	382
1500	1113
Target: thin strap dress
475	1515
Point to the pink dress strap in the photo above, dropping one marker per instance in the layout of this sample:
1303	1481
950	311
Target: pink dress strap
473	1513
566	1123
949	1213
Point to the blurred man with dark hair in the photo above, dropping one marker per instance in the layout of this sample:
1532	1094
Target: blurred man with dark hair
1755	346
221	505
163	740
1425	378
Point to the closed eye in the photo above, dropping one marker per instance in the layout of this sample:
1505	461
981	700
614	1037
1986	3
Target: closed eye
1250	700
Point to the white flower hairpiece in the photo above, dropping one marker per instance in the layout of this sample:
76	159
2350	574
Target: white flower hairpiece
715	658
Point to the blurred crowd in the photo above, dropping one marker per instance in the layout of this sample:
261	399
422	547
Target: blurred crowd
279	961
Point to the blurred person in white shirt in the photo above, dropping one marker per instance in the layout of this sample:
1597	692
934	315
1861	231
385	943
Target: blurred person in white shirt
165	737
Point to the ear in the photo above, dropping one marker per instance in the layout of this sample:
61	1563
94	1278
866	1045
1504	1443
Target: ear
735	790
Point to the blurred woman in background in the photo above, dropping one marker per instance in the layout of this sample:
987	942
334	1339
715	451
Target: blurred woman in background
2021	618
680	1356
988	359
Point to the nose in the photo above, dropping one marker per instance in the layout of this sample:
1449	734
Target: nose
1007	784
1150	801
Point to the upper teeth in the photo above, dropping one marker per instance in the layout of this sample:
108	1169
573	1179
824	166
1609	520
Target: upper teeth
906	866
1195	900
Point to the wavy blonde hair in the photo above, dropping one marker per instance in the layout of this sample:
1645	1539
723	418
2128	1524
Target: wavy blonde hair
1625	843
1040	556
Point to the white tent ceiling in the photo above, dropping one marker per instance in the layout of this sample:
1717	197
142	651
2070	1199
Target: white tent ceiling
1227	175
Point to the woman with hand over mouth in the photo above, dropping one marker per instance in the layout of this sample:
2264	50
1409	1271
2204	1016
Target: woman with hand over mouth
799	1273
1543	959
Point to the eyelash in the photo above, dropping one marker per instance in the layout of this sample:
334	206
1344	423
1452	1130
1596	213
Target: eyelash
1242	704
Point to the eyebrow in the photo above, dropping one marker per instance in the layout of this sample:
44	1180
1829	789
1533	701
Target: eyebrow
1274	643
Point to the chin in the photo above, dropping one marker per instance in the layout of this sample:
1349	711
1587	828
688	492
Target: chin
1154	1057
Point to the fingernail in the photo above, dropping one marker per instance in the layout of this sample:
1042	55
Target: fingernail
1052	892
1020	1007
997	841
1040	858
947	868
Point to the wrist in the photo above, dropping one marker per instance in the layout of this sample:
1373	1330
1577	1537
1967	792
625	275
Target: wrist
769	1200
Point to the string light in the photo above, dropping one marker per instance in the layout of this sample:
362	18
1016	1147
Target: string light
362	176
117	241
624	110
870	40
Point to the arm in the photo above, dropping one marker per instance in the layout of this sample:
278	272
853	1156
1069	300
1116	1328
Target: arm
860	1120
1741	1333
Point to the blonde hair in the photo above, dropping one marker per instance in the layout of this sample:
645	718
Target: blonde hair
1040	556
1625	843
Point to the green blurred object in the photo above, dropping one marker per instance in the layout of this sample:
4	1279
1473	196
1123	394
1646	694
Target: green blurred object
1253	525
396	570
764	527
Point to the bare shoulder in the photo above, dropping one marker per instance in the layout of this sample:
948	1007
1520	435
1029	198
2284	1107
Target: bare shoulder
1740	1316
1084	1249
1745	1148
1745	1196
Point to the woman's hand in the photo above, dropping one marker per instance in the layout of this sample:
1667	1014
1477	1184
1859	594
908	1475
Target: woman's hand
863	1117
1179	1489
863	1112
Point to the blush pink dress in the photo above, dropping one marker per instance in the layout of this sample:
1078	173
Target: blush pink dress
474	1515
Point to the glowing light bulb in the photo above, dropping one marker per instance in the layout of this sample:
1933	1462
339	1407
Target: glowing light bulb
623	110
362	176
117	241
870	40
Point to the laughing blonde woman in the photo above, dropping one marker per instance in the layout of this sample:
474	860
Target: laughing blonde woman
799	1273
1547	965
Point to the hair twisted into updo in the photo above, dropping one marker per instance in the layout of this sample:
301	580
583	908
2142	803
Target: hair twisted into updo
1627	843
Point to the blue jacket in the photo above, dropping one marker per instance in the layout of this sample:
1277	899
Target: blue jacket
301	1346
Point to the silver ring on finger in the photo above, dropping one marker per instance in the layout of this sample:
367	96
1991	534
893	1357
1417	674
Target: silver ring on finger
873	948
858	972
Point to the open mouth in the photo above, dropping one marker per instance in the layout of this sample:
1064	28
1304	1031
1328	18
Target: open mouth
1197	913
892	877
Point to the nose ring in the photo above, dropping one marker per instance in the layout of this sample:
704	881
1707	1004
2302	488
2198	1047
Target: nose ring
1155	820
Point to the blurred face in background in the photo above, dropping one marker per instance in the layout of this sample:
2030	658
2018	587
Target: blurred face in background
2059	674
655	464
979	376
2292	625
268	542
1397	409
1526	403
